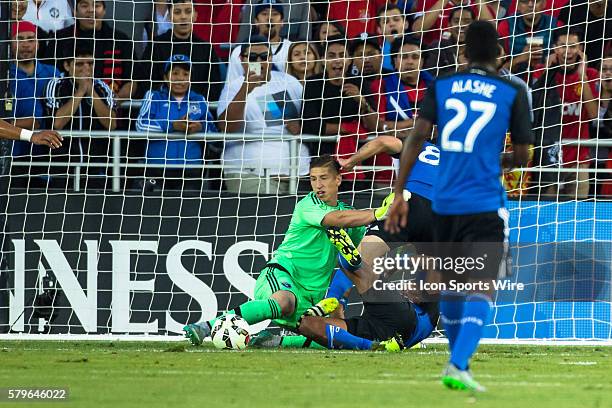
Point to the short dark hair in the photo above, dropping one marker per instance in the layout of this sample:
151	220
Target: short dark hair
96	1
481	40
325	160
82	48
389	7
364	41
461	10
173	2
255	39
567	31
335	40
399	42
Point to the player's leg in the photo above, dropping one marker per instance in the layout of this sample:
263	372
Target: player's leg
465	321
270	303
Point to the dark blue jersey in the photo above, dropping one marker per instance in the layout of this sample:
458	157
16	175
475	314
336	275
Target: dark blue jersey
424	172
473	111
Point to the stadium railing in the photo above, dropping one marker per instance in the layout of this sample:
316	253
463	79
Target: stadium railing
294	141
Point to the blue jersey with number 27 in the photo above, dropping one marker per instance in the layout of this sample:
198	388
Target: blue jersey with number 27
473	111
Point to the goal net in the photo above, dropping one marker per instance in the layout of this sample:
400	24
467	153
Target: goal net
189	126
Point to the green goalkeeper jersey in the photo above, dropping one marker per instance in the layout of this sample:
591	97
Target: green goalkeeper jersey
306	252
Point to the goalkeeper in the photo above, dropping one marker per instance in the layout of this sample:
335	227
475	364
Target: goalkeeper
384	315
297	276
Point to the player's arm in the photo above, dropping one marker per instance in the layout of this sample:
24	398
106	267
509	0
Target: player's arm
520	133
44	137
349	218
382	144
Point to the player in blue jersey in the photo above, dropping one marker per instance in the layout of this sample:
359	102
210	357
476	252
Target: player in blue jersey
472	110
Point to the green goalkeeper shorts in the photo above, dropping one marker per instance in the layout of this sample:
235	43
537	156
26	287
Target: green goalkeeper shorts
272	279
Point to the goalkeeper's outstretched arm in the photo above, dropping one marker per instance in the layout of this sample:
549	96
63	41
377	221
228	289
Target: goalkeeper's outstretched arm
44	137
382	144
358	218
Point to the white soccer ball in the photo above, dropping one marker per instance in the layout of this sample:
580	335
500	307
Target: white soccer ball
230	332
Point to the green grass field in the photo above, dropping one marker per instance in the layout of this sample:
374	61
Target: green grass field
148	375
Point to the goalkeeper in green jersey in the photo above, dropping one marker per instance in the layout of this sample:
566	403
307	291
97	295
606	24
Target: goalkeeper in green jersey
297	276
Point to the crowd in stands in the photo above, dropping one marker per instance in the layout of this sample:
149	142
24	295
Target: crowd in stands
273	70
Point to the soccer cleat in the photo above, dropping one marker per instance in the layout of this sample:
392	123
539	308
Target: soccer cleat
344	244
394	344
265	339
196	332
322	308
457	379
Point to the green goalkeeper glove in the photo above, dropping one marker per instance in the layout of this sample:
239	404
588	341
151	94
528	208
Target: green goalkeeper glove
381	212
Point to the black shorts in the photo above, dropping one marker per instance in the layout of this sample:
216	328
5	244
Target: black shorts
418	229
481	237
381	321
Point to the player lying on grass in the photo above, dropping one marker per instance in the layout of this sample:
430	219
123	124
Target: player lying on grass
297	276
386	315
397	317
473	110
44	137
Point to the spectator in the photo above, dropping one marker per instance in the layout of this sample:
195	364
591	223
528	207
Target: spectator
326	29
594	19
174	108
442	58
268	23
334	105
27	81
224	17
49	15
367	66
18	9
266	103
403	91
162	22
79	101
206	77
28	77
527	35
304	61
391	24
603	127
576	85
551	7
432	16
114	51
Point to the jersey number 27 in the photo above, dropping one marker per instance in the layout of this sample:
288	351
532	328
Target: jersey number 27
486	110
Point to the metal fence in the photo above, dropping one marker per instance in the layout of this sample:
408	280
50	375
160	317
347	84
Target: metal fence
294	141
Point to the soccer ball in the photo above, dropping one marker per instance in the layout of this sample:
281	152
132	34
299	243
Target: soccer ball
230	332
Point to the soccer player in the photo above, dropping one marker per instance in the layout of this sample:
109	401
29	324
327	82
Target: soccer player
386	315
473	110
44	137
403	319
297	276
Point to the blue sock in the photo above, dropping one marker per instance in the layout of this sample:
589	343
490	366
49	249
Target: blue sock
451	312
339	285
475	316
338	338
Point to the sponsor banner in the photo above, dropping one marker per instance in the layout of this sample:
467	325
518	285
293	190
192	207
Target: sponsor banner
131	265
